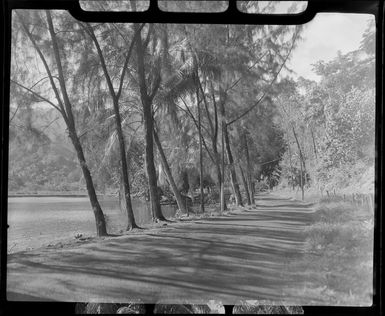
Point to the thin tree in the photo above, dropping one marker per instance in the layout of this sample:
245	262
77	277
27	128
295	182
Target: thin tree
126	196
146	100
200	150
64	107
167	170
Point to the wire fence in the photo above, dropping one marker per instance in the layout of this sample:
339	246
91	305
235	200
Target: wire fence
365	201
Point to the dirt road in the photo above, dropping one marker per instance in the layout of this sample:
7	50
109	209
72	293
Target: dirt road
242	255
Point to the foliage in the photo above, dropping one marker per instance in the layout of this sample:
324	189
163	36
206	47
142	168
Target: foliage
334	119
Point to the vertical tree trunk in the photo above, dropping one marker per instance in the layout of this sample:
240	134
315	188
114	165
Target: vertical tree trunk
223	202
200	153
301	180
124	171
148	128
252	191
245	185
168	172
302	163
214	141
233	175
149	157
291	166
249	170
314	145
219	176
226	139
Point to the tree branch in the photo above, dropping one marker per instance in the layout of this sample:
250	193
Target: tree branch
38	95
129	53
91	33
240	78
270	84
206	106
69	116
57	95
156	86
197	126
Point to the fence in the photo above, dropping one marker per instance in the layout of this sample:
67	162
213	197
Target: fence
357	199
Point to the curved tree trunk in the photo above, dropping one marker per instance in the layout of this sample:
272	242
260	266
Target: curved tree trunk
168	172
66	111
101	229
126	197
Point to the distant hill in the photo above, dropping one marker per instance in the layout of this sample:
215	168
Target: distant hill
41	156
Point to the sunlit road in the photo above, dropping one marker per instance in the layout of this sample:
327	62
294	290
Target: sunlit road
242	255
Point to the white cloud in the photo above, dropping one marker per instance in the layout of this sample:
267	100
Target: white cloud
324	36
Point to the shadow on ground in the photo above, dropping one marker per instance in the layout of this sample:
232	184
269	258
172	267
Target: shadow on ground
229	258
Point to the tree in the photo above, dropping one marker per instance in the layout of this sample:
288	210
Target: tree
115	95
147	96
64	104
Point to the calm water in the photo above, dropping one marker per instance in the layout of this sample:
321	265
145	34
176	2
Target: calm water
39	221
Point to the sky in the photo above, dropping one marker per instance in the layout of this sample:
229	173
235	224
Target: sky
324	36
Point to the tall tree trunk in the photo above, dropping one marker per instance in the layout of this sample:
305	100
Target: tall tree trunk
301	181
249	170
291	166
127	206
101	229
245	185
314	145
126	197
223	201
233	175
148	128
66	111
149	157
214	142
252	190
302	163
200	153
219	175
168	172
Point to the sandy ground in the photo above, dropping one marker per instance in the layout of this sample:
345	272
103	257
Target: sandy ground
242	255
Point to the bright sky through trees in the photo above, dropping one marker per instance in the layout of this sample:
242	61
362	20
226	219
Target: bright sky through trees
324	36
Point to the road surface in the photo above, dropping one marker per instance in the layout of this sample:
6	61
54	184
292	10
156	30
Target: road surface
240	256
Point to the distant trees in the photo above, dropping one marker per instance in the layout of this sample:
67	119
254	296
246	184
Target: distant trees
333	121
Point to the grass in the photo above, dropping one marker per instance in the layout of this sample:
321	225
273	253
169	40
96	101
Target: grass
338	261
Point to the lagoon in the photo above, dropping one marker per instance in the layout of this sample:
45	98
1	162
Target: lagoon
40	221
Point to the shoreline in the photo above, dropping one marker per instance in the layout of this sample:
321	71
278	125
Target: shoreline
71	240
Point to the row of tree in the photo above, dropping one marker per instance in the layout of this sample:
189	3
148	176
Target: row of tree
195	102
